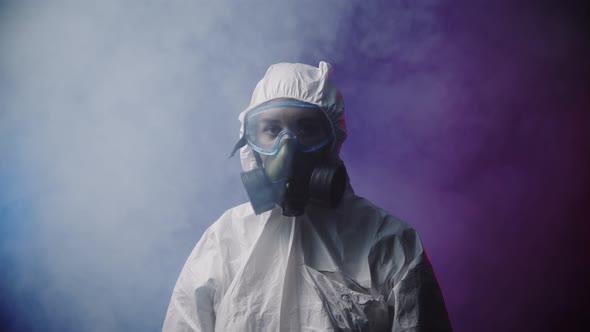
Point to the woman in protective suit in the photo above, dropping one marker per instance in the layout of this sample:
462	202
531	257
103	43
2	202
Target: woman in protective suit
306	253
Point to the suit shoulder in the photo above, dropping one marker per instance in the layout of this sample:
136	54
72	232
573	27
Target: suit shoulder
239	212
387	220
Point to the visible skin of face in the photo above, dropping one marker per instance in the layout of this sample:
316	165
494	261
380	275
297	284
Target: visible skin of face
308	124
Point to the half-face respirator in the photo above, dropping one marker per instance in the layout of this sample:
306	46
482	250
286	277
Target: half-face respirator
291	141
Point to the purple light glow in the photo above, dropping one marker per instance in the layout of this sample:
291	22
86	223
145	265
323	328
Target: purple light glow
476	133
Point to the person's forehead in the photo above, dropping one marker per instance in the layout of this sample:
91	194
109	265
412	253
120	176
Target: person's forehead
288	114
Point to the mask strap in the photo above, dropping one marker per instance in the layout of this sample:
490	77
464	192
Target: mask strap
258	159
240	144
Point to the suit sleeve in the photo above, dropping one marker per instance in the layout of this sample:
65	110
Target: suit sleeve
416	298
192	306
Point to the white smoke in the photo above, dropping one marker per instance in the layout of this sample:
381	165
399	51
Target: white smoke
116	121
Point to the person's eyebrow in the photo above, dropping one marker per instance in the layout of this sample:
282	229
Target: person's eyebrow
309	118
269	121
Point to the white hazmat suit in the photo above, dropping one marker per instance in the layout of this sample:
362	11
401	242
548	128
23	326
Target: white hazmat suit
351	268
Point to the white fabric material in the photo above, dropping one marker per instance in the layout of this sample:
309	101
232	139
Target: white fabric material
352	268
300	82
355	268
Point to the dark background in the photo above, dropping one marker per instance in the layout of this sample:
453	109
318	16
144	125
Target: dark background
486	151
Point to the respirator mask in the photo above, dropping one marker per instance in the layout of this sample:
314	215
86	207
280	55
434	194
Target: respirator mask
292	143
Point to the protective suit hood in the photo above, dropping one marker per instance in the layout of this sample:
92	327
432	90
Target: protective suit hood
303	83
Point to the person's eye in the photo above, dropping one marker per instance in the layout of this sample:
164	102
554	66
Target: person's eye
271	130
310	129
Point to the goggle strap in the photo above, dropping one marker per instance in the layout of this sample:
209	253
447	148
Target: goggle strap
240	144
287	103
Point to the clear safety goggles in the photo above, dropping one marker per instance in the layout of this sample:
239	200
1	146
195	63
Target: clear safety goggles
306	124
